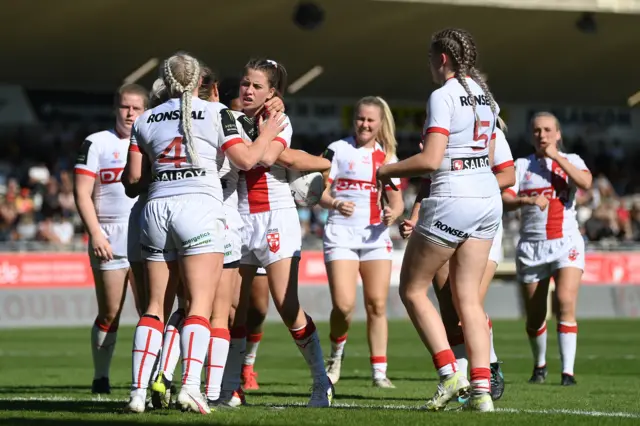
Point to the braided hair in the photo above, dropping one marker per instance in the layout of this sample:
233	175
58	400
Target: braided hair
459	45
181	74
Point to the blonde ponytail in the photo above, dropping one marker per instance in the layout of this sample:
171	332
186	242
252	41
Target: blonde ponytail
181	74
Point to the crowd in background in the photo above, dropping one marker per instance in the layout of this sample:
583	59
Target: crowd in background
36	187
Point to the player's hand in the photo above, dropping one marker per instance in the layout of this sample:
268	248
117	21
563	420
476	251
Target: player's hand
274	105
345	208
551	151
542	202
101	248
389	216
273	126
406	228
382	182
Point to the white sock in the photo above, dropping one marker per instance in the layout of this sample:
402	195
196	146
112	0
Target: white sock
337	346
216	359
171	344
462	359
492	355
253	341
445	363
309	344
103	343
378	367
568	341
538	342
147	341
231	377
194	342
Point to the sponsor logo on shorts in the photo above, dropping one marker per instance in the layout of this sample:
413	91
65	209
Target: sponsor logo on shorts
273	240
451	231
171	175
201	239
228	249
458	164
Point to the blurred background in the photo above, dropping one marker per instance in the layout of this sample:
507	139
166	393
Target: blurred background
63	60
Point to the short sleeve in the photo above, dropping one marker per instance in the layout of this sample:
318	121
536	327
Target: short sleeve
502	157
88	159
578	162
439	113
285	135
330	154
521	166
228	133
133	141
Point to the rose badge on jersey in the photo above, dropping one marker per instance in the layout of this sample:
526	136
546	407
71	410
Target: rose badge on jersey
273	240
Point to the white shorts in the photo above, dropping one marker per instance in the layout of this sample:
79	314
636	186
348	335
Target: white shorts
182	225
341	242
233	238
134	253
537	260
116	234
270	236
453	220
496	255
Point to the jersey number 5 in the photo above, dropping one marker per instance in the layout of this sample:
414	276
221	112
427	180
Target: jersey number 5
176	158
477	136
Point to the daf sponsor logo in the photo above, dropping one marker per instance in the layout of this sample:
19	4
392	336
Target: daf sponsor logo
355	185
458	164
109	176
451	231
170	175
173	115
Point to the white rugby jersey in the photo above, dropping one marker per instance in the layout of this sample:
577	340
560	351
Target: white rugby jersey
263	189
229	174
353	178
541	175
502	157
156	133
465	170
103	156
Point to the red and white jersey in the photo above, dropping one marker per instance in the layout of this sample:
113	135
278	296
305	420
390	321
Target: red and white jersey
465	170
157	134
264	189
103	156
353	178
502	157
535	176
228	172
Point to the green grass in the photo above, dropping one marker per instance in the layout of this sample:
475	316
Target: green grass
45	376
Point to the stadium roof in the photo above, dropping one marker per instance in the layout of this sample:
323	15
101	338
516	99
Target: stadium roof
365	47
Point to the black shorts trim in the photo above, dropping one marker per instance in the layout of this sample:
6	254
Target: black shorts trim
231	265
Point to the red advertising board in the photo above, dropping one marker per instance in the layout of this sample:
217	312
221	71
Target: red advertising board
69	270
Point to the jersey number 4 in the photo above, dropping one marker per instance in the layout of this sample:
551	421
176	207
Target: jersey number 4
173	153
481	137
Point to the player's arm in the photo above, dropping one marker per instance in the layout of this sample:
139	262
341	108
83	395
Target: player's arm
581	176
435	142
296	159
84	179
277	147
327	201
243	155
395	208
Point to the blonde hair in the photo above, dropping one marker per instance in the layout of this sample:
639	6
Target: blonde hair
501	124
548	114
181	75
387	133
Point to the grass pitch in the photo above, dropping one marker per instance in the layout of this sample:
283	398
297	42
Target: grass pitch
45	378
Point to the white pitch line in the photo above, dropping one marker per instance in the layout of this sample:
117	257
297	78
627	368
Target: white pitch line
552	411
